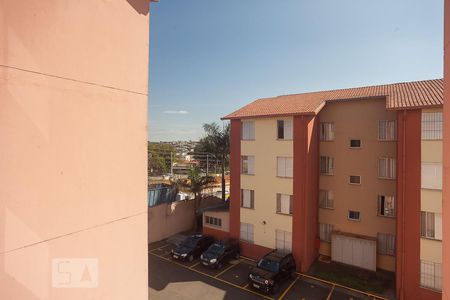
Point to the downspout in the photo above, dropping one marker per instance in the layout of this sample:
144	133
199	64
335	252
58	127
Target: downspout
403	202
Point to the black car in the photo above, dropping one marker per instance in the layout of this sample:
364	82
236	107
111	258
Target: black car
220	253
192	247
272	270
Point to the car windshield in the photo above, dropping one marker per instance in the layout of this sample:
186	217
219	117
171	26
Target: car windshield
216	249
190	243
268	265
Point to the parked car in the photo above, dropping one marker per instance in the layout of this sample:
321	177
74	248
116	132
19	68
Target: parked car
192	247
272	270
220	253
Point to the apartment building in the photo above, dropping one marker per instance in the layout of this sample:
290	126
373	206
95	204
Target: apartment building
354	174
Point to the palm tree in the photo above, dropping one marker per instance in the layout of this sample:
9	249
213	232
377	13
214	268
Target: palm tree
195	183
217	142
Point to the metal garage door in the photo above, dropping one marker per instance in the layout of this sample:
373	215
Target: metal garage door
354	251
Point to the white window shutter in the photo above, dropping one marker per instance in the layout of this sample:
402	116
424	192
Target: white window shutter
288	129
289	167
438	226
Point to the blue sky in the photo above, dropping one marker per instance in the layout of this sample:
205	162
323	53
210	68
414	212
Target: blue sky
210	57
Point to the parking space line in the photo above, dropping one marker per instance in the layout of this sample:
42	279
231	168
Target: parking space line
226	269
289	287
191	267
343	286
159	248
216	278
331	292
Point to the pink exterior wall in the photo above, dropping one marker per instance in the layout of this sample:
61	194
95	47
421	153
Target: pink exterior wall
446	197
73	132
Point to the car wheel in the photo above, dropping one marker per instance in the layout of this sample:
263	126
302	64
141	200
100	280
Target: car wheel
191	258
275	288
237	255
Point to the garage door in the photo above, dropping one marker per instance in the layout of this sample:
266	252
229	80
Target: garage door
354	251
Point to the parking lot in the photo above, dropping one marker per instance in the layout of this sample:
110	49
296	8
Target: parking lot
169	279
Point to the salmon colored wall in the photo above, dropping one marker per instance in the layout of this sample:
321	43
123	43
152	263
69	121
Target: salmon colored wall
73	128
408	207
235	178
253	251
446	197
305	186
217	234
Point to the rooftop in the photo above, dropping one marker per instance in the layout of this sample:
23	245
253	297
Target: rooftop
405	95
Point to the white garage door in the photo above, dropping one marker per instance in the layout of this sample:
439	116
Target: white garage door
354	251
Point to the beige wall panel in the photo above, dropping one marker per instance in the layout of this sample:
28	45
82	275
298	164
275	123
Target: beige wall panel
432	151
386	262
224	216
431	250
266	148
431	200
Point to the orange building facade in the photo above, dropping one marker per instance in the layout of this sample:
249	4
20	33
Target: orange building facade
321	173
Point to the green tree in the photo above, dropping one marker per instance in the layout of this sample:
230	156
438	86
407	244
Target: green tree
195	183
217	142
159	156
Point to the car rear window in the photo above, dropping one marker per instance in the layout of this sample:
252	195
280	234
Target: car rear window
268	265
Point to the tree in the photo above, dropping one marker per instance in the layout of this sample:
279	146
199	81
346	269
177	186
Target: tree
159	156
195	183
217	142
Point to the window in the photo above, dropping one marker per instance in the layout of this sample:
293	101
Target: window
248	130
432	125
325	231
387	130
355	144
354	215
432	176
387	168
326	199
431	225
326	165
326	131
283	240
248	165
354	179
247	198
284	129
386	206
386	244
431	275
213	221
247	232
284	166
284	204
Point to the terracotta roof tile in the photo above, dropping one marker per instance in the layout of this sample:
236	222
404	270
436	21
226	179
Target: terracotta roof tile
406	95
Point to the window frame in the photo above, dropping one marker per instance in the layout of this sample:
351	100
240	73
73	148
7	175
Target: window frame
353	183
279	204
247	225
383	247
329	160
284	240
327	230
327	132
287	131
387	124
391	168
252	199
432	129
286	175
242	164
252	130
213	221
350	143
384	198
435	278
325	203
354	211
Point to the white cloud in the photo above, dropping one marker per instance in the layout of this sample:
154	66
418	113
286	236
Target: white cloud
176	112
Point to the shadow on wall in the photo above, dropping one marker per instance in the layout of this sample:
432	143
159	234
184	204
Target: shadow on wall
167	219
141	6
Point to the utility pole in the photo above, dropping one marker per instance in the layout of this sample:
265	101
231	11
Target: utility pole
171	163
